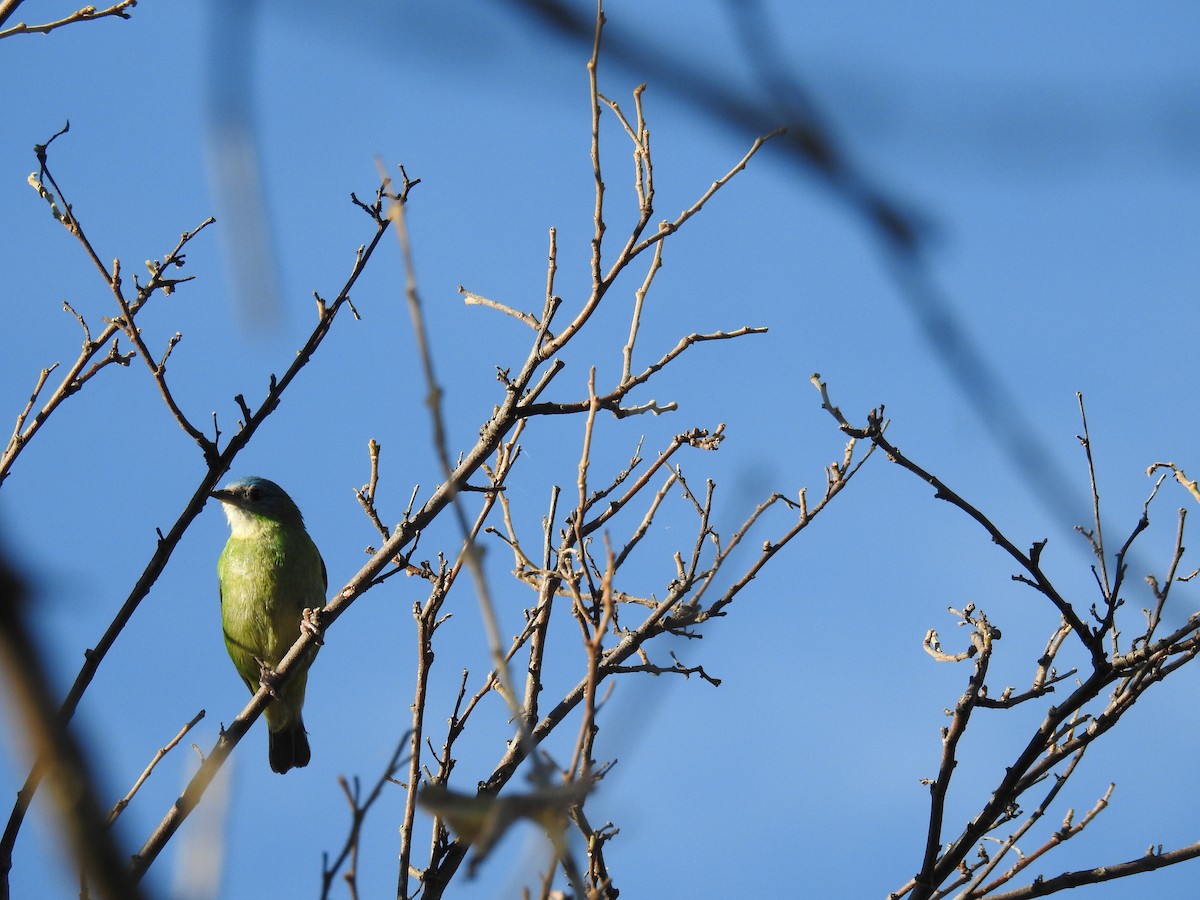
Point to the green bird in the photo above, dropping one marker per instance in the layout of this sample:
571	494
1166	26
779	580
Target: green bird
270	573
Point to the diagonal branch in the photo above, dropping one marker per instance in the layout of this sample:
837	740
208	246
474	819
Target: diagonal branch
84	14
217	465
874	432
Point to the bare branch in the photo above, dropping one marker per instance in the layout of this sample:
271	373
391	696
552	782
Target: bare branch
84	14
874	431
163	751
359	808
472	299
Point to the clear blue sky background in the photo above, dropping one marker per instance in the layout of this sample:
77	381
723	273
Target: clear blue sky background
1053	151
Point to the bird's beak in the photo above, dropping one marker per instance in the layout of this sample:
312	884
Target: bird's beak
223	495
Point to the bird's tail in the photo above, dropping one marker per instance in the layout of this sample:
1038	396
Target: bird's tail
288	747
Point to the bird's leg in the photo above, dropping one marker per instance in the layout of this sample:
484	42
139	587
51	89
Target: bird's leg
310	623
267	677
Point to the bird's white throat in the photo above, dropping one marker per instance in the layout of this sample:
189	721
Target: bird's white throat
242	523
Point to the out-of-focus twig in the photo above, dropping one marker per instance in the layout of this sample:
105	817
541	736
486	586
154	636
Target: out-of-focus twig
77	808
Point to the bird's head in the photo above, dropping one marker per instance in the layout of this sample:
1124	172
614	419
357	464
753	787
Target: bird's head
251	502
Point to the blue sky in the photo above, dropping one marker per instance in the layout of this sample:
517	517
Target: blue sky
1050	150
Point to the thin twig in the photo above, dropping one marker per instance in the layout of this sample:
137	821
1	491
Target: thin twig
163	751
84	14
358	813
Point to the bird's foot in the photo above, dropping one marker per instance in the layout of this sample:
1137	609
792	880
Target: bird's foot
310	623
267	677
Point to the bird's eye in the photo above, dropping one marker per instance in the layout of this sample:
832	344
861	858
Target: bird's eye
254	495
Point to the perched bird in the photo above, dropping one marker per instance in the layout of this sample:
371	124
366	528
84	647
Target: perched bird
270	572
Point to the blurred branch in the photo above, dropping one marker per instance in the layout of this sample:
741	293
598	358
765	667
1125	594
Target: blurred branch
778	97
78	813
678	611
429	617
527	385
471	553
567	569
809	142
